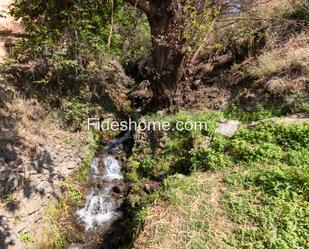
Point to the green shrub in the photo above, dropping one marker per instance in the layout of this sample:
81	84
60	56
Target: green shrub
298	157
206	158
264	153
74	113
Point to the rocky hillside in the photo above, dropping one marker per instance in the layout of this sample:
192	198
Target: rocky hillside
36	157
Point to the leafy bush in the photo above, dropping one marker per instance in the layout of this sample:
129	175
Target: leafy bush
206	158
74	113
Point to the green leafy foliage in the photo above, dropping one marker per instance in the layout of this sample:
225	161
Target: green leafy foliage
83	26
25	237
135	37
205	159
74	113
266	142
271	207
174	154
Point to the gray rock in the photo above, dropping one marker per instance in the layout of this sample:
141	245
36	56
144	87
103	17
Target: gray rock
228	128
179	176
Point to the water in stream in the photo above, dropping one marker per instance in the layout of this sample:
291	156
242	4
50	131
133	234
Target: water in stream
101	208
103	203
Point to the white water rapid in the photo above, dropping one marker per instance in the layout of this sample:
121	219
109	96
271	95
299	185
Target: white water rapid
101	208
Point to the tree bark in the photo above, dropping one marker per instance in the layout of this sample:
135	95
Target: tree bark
168	49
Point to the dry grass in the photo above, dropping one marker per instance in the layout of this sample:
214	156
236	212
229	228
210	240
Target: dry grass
273	9
190	218
294	52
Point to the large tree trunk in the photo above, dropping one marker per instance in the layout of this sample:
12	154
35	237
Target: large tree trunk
168	50
167	53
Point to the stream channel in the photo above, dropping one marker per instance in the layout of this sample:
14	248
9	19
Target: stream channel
104	203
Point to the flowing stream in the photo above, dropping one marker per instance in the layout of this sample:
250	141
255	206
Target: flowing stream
103	203
101	208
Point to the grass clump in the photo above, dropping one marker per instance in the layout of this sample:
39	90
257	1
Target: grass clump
174	220
280	61
259	113
26	238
